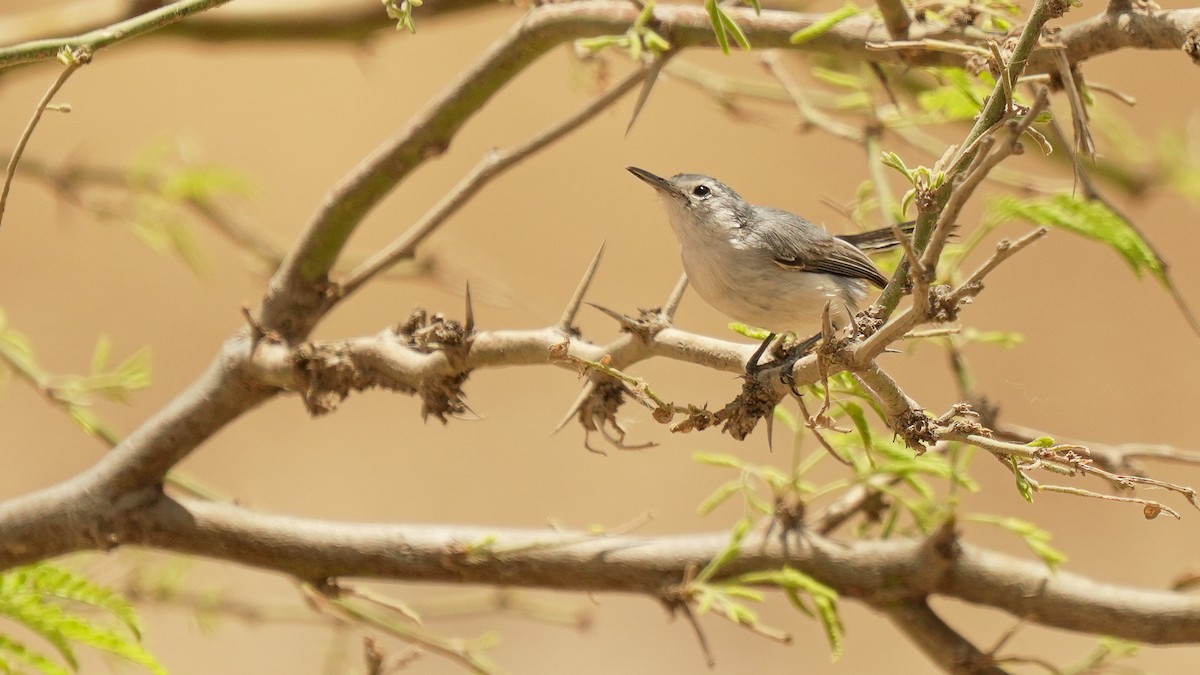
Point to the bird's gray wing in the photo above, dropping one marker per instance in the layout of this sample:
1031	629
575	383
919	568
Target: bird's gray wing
800	245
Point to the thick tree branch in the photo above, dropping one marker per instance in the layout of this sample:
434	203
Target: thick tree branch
873	571
877	572
941	643
395	363
54	521
896	17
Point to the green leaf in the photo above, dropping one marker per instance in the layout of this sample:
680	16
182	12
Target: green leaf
101	354
739	591
758	503
114	643
713	459
1041	442
204	182
22	654
49	621
960	98
134	372
401	13
735	30
738	612
35	596
774	477
595	44
88	420
788	577
18	349
1037	539
731	551
655	42
749	331
1023	485
718	497
162	228
714	17
1005	339
61	583
797	601
855	412
1089	218
892	160
839	78
824	24
724	26
1049	555
888	527
834	631
645	15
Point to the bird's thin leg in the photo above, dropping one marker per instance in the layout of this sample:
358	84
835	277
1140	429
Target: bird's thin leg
795	354
753	367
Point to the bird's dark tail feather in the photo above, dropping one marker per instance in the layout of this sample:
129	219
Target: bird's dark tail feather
882	239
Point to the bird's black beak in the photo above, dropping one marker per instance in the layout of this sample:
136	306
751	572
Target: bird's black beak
656	182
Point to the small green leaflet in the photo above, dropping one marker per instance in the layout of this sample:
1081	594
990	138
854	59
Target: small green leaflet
1037	539
724	26
825	24
1023	484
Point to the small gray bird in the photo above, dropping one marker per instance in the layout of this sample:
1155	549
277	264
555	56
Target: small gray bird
762	266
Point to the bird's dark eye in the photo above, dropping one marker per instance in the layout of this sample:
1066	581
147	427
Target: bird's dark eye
701	191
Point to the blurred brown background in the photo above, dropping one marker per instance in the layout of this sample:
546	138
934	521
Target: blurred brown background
1107	357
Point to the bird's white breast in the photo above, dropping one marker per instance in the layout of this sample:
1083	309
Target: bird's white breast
748	286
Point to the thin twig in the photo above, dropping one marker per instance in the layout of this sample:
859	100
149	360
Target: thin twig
1153	507
1068	461
811	115
74	62
701	638
1004	250
928	45
982	164
1163	453
811	423
860	356
454	649
493	165
1079	115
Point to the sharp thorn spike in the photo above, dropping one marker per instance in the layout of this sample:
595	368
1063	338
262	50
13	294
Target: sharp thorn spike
470	320
576	406
573	304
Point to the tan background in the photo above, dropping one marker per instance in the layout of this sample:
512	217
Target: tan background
1106	357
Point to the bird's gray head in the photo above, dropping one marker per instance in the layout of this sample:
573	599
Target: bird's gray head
699	204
